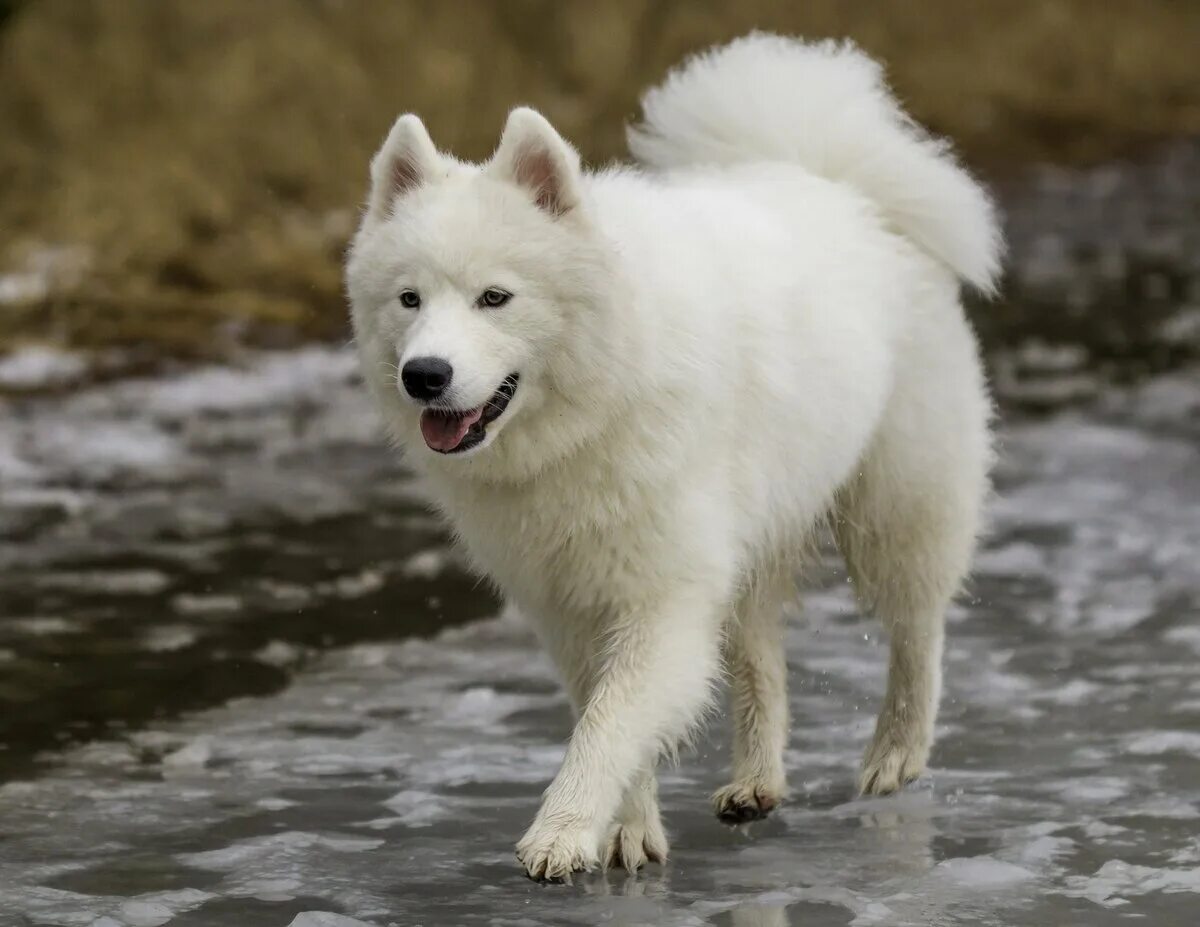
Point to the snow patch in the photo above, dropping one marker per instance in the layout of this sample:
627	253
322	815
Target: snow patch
416	808
39	367
1117	881
145	913
326	919
1159	742
983	872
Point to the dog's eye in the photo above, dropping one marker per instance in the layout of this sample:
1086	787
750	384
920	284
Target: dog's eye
410	299
493	297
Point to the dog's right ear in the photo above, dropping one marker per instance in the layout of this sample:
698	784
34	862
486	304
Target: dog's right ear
407	159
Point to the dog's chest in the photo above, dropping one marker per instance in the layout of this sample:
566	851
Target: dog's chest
548	547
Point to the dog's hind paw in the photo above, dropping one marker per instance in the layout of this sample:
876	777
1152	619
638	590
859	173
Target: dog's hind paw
890	765
635	843
740	803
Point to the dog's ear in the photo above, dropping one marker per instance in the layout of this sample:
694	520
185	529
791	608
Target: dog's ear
406	160
534	156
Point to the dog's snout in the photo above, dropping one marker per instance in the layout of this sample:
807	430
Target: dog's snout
426	378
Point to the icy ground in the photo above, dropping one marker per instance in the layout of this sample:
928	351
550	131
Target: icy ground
216	720
243	683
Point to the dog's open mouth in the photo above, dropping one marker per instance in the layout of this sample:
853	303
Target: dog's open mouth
451	431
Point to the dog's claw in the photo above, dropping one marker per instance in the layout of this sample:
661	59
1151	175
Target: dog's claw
736	804
554	855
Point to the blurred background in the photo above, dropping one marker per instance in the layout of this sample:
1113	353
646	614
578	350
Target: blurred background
243	677
182	177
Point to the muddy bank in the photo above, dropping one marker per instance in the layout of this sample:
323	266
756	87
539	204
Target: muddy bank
182	181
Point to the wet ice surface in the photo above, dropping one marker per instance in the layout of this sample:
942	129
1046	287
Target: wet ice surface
386	780
215	712
166	543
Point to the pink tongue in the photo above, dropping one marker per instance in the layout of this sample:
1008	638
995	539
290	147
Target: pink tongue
445	432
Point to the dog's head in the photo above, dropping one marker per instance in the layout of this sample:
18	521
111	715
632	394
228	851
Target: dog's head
471	286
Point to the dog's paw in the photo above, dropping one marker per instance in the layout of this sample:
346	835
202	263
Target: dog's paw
742	802
635	843
551	853
890	764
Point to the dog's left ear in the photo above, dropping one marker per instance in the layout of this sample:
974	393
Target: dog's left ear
534	156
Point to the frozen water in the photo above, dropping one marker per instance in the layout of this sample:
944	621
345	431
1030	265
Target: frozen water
383	781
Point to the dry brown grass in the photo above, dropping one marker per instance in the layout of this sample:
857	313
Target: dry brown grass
209	155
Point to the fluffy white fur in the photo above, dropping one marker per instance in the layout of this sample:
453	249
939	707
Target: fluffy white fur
759	333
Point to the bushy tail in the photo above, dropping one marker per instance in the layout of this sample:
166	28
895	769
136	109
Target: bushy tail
825	106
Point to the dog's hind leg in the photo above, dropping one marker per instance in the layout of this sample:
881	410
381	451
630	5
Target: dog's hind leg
638	837
757	664
907	526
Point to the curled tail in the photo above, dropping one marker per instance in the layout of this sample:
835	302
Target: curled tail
826	107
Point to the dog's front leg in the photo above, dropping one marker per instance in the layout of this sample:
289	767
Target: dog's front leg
655	679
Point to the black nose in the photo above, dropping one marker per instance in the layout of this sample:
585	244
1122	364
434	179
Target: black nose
426	377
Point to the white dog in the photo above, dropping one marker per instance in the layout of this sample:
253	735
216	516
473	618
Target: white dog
636	395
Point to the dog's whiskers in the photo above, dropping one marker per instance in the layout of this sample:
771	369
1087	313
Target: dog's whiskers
394	370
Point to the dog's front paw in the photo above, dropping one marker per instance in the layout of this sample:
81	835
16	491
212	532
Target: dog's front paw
635	842
741	802
552	852
891	763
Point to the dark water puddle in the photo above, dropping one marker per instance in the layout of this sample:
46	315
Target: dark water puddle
135	874
84	663
224	912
